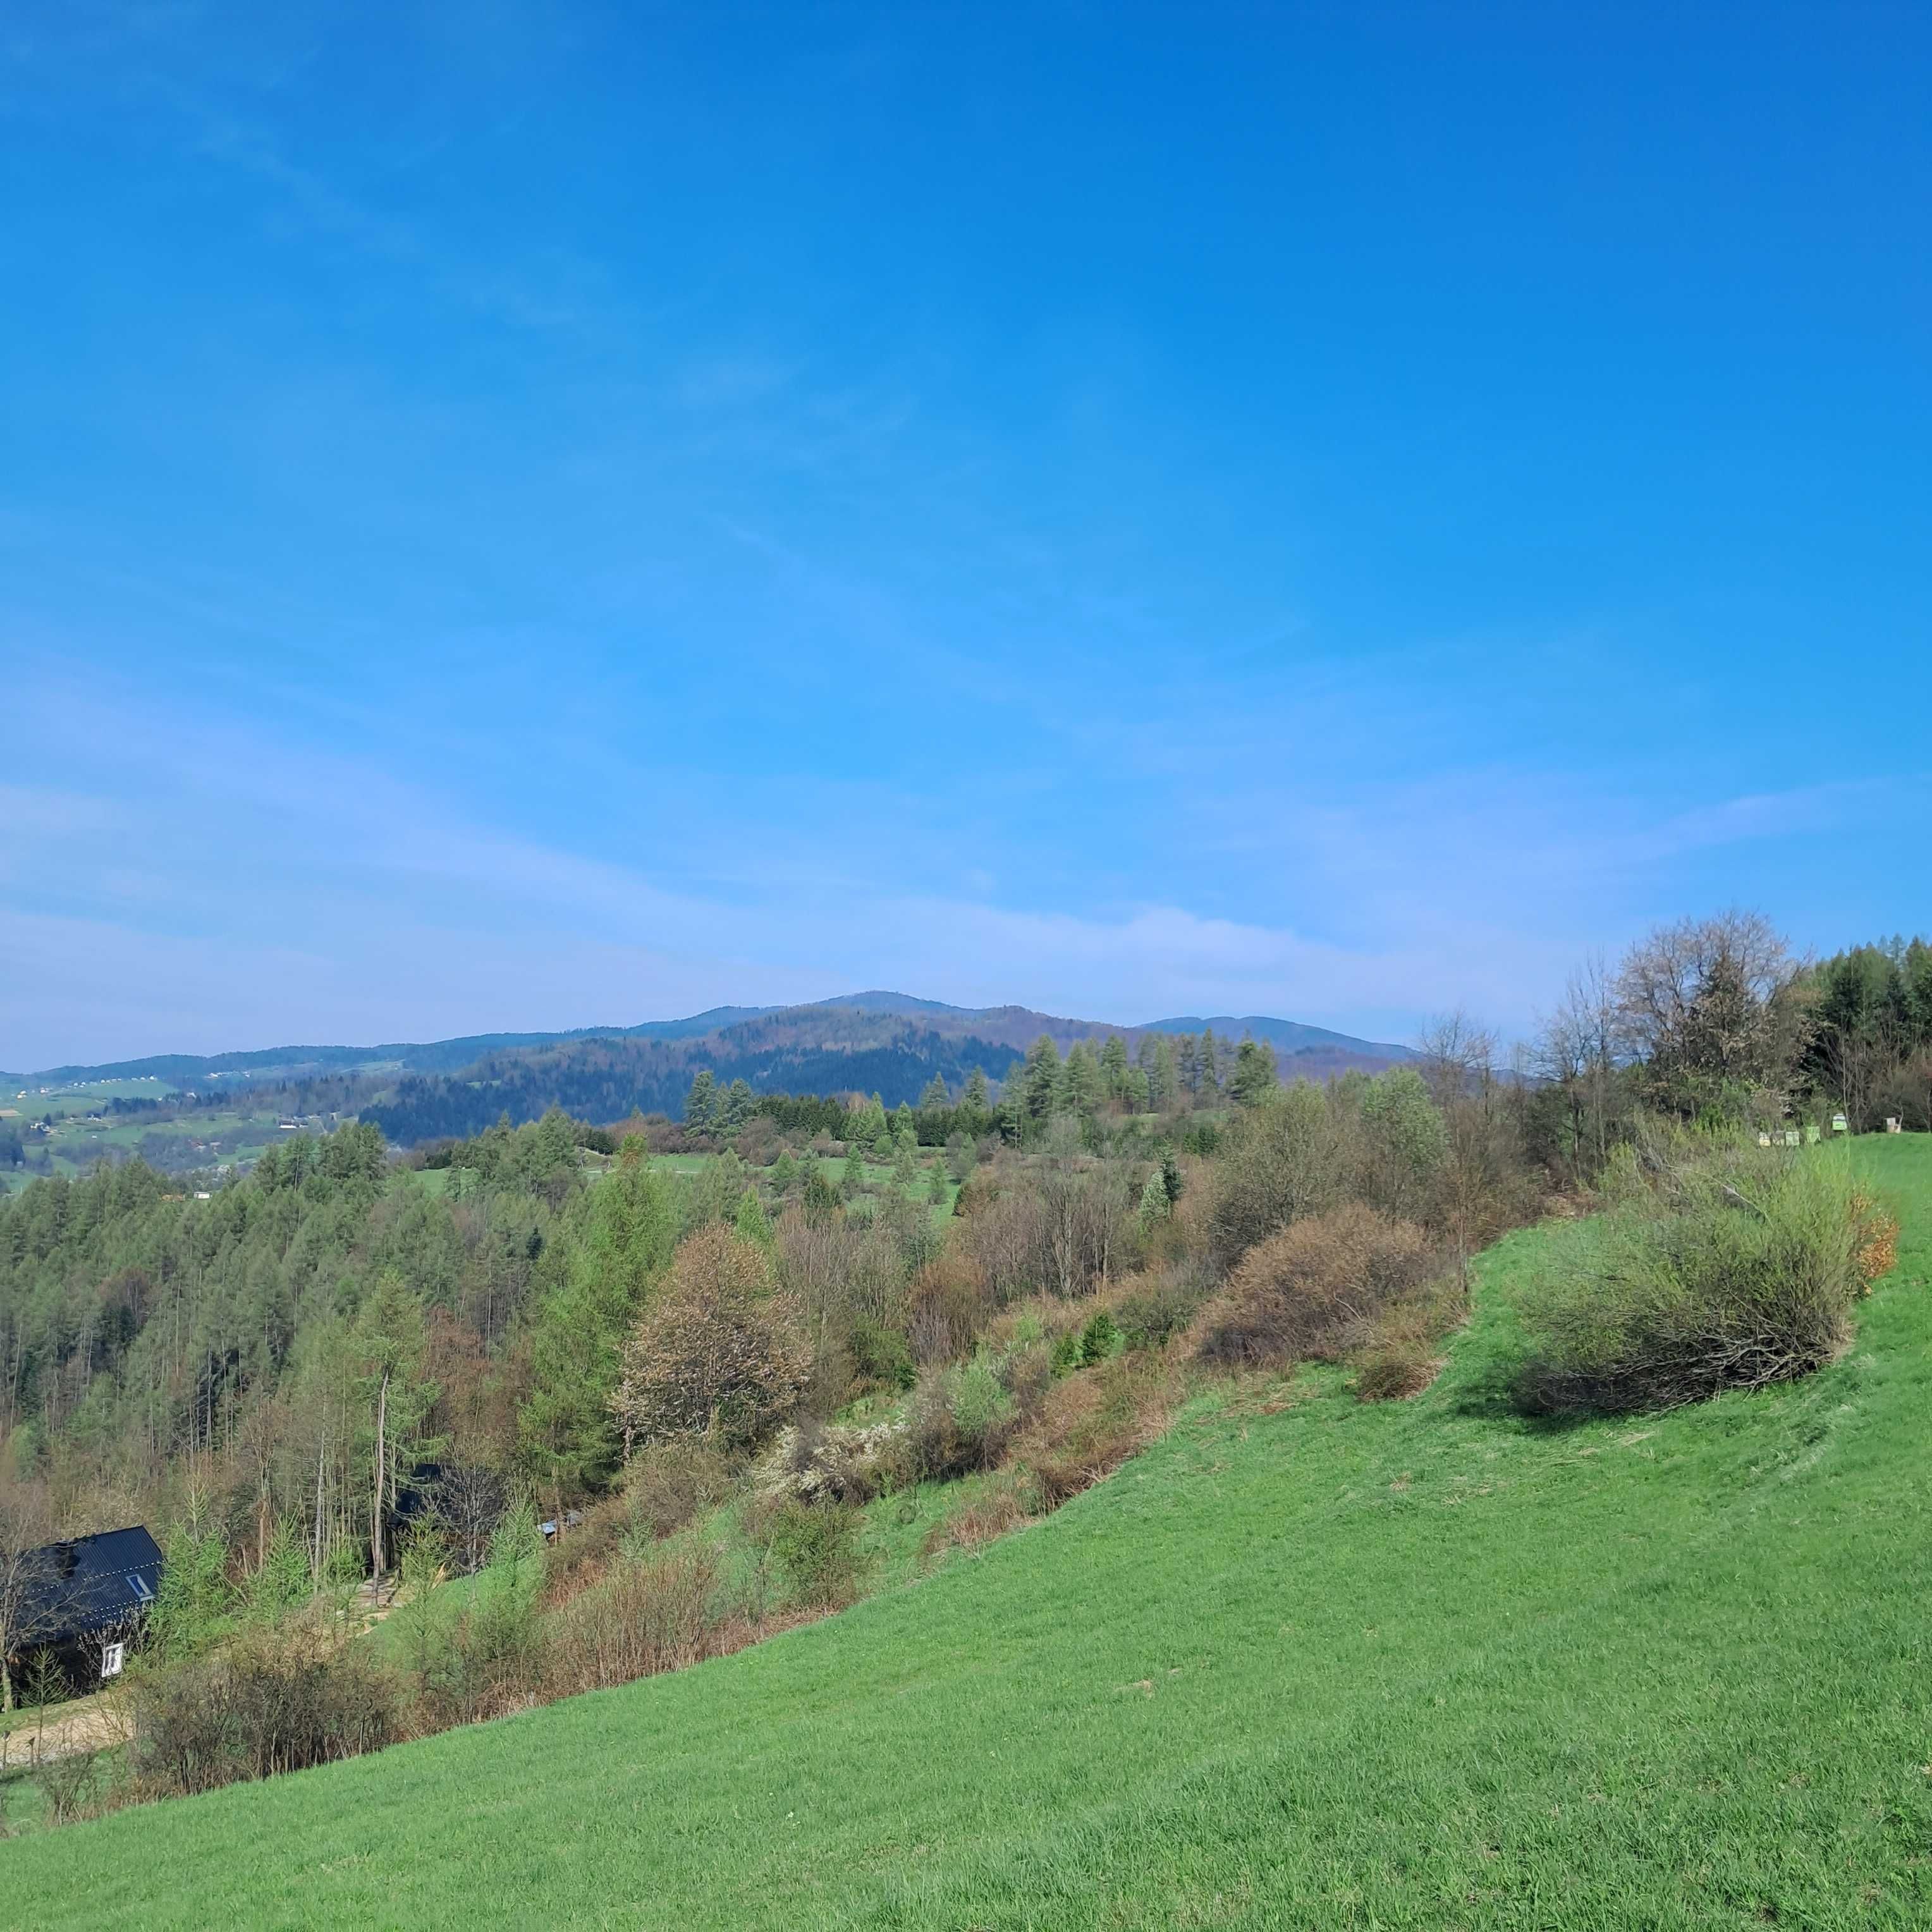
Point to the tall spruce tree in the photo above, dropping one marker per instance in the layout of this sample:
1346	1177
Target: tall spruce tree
700	1104
625	1238
1254	1076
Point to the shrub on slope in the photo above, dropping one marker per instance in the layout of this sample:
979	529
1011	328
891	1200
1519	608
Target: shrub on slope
1317	1289
1718	1268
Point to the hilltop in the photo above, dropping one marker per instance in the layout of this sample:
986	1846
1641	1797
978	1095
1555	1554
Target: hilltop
1304	1662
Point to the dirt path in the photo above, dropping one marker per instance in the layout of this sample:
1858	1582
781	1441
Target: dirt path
87	1724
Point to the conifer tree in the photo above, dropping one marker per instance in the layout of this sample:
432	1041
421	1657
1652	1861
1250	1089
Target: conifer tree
819	1198
1254	1075
1080	1081
391	1343
628	1231
713	1195
281	1582
700	1104
1155	1206
1164	1076
750	1221
1039	1080
905	1166
1187	1062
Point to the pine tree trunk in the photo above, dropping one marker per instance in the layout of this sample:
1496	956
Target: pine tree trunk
321	1451
381	1454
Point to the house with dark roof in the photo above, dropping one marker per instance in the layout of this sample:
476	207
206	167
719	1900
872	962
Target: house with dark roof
85	1600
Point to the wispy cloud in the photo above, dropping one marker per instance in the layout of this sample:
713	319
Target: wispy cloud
347	898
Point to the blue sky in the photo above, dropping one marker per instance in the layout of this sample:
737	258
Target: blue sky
537	515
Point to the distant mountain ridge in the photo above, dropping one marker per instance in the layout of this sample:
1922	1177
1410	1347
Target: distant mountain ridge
1285	1035
448	1054
891	1044
1015	1025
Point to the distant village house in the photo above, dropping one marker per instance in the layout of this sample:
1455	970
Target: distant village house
83	1601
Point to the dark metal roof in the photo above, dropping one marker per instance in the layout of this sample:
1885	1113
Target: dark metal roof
88	1583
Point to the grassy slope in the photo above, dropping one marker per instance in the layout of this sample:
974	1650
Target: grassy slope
1411	1666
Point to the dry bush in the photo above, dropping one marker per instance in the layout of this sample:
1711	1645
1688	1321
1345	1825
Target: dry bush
1187	1234
1312	1291
1005	1231
270	1703
1395	1372
718	1351
1003	1504
848	1284
651	1612
1063	1222
1401	1353
949	1305
577	1557
1151	1310
840	1273
669	1484
1090	1423
1876	1239
959	1419
70	1788
928	1447
977	1192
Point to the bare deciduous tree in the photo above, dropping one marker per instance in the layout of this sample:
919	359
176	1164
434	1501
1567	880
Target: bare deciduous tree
30	1604
1480	1182
469	1499
1711	1007
718	1351
1576	1052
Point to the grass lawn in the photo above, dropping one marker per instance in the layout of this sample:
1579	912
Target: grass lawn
878	1174
1305	1663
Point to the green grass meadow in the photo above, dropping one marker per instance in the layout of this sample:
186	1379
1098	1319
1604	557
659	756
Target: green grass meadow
1305	1663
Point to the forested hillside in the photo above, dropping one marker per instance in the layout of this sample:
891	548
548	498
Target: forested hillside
608	1080
310	1360
155	1331
881	1043
288	1347
180	1112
